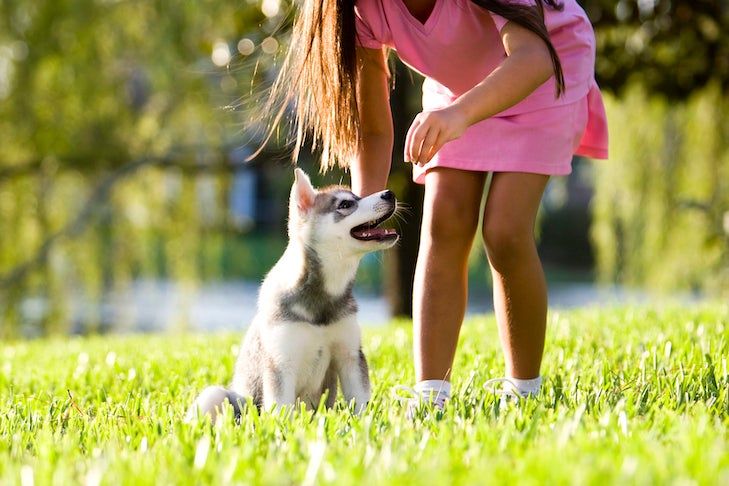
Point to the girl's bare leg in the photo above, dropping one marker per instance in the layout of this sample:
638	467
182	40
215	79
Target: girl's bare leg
450	217
520	290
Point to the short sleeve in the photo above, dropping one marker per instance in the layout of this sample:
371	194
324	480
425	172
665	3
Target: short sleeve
501	21
364	35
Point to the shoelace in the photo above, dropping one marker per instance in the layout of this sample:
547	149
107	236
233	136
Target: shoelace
434	397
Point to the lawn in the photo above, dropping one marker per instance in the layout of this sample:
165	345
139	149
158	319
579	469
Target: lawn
632	395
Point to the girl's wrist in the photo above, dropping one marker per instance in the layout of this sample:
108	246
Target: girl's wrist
464	111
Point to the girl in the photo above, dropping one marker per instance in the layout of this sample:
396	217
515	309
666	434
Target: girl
510	90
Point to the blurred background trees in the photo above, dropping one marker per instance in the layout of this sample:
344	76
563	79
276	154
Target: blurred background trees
661	206
120	138
124	126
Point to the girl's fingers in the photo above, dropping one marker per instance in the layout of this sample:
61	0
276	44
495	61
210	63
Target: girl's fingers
424	148
430	152
417	142
434	148
409	138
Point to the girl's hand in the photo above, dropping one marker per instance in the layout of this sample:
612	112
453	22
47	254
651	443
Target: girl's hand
431	130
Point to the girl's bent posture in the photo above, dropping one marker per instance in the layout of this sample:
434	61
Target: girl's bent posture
510	90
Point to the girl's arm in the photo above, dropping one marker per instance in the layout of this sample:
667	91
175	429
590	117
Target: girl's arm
372	165
527	66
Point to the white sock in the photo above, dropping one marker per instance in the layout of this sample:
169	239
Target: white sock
434	388
528	387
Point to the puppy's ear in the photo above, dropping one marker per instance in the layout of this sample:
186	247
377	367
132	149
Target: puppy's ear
302	192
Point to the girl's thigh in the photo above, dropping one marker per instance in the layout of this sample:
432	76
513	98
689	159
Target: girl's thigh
452	200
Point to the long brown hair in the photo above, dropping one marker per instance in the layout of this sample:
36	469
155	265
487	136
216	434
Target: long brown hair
319	73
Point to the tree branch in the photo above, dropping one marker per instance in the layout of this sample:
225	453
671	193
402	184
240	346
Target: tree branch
100	193
17	170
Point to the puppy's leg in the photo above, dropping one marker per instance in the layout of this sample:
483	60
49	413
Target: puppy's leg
211	402
330	386
279	387
353	374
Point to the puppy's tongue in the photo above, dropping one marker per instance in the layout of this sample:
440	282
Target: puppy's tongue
373	233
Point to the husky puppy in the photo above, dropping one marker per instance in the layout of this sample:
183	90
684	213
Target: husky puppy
305	337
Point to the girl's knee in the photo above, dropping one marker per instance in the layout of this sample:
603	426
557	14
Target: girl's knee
451	221
506	242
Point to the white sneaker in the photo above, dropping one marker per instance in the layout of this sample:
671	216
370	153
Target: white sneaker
420	401
508	392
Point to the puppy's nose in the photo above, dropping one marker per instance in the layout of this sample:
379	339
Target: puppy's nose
388	196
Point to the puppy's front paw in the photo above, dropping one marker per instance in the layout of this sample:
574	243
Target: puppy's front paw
358	406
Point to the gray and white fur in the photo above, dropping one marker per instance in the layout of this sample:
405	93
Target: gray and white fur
304	337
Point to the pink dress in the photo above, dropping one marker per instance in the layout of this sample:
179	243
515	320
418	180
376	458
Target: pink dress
458	46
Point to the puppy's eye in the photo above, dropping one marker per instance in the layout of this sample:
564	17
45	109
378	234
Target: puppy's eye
345	204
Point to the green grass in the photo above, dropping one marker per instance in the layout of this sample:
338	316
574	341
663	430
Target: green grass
637	395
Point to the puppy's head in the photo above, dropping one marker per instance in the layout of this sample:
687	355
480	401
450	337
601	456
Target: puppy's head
336	218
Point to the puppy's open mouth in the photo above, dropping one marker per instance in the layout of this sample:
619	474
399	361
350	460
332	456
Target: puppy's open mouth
370	231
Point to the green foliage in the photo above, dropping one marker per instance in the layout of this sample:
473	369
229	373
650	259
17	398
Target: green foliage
101	83
661	206
635	395
670	47
116	105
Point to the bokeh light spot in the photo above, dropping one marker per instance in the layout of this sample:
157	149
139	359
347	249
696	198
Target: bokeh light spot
270	8
269	45
246	47
221	53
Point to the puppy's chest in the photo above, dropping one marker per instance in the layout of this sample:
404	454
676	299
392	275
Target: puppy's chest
312	370
312	349
314	344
